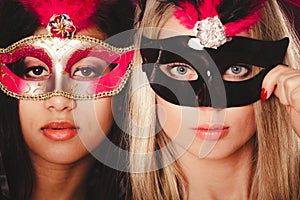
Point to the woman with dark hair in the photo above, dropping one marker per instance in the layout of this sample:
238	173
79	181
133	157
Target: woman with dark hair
58	77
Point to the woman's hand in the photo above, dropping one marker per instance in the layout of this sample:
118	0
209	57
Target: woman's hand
284	82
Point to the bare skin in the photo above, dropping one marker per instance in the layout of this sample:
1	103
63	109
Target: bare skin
225	173
61	167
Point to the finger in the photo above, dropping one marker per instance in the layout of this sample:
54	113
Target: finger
286	84
270	81
295	100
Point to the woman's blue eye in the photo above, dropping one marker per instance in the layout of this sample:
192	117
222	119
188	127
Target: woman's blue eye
236	69
238	72
179	71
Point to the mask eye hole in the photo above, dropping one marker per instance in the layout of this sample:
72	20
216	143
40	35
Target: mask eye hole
35	69
241	72
30	68
90	68
179	71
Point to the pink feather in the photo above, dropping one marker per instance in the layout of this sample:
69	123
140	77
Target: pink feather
234	28
79	11
186	14
208	8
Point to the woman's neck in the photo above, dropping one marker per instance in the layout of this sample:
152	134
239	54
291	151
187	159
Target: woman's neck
61	181
217	179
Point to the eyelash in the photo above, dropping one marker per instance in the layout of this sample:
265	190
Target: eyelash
236	76
95	70
190	74
176	64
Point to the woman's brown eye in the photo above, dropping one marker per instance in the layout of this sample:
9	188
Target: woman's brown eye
35	72
89	68
88	72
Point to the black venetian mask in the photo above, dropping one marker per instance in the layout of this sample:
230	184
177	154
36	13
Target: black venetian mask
183	73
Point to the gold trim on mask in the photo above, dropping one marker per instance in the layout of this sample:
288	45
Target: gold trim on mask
83	38
69	95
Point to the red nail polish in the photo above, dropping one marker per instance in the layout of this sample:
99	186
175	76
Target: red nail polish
263	94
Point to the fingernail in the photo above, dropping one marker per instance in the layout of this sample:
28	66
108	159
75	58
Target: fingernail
263	94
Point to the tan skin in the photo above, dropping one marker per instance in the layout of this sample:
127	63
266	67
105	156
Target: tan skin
225	172
61	167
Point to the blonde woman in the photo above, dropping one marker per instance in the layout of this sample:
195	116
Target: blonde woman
213	110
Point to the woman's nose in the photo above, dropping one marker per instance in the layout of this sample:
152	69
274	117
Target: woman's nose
59	104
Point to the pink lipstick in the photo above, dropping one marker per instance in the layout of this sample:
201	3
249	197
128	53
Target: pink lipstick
211	132
59	131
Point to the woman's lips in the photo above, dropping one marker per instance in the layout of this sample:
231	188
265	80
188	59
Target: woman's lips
59	130
211	132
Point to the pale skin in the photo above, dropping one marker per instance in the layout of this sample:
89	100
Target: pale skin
61	167
284	83
225	173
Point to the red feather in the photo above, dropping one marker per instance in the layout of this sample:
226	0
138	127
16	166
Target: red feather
234	28
186	14
79	11
208	8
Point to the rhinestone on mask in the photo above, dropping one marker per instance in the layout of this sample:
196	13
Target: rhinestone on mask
211	32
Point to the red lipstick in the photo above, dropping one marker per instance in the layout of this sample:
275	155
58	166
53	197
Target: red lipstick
59	131
211	132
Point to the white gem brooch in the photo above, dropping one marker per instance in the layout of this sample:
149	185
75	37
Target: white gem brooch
211	32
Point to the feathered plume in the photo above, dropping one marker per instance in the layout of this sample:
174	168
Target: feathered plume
239	16
208	8
248	13
186	14
80	11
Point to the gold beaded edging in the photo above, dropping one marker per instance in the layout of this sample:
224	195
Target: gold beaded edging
69	95
32	39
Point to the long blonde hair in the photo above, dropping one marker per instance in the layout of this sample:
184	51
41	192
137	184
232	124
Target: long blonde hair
276	173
